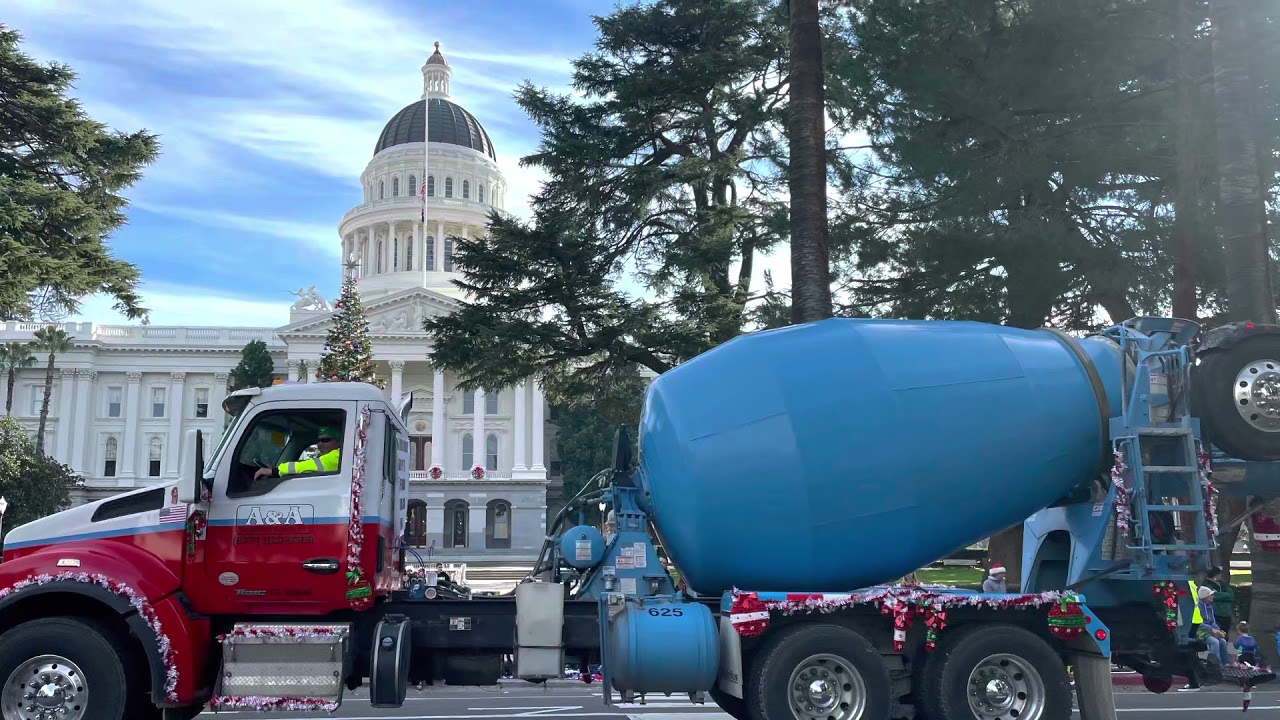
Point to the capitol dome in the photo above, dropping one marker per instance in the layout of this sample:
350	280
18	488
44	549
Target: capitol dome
395	244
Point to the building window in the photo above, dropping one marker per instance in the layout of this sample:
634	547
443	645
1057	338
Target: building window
202	402
431	186
109	459
448	187
157	402
37	400
491	453
379	259
408	256
154	454
466	189
395	187
395	254
469	402
382	190
455	523
416	533
448	254
491	404
431	252
413	186
114	404
480	192
468	453
498	525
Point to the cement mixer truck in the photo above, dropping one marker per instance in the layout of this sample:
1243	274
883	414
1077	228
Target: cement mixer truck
791	476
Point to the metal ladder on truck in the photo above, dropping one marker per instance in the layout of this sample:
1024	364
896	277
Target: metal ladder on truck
1156	439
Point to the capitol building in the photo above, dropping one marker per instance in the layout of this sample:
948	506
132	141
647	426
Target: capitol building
124	396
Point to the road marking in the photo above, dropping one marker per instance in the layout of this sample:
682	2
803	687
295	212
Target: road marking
1196	709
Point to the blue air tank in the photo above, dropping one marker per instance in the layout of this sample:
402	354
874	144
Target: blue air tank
844	453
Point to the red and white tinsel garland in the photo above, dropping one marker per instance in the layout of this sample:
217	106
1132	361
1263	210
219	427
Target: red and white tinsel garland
135	599
1124	515
1210	493
359	592
303	704
904	603
298	632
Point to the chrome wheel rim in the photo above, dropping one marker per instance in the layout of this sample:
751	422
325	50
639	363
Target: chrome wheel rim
826	687
1257	395
48	687
1006	687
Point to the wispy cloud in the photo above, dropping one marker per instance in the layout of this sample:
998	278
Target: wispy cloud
172	304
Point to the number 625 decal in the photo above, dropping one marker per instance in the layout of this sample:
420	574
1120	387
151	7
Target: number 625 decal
666	612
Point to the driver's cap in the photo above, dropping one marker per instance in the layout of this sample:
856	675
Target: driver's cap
326	431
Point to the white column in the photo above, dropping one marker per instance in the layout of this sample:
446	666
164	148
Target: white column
440	244
477	431
390	248
539	428
85	415
216	396
476	522
176	407
437	421
65	426
518	463
294	365
397	382
131	417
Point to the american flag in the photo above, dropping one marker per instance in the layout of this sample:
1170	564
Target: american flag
173	514
423	193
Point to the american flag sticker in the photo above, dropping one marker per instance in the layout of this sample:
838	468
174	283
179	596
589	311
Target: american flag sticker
173	514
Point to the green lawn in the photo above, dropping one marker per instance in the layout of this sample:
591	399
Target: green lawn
959	576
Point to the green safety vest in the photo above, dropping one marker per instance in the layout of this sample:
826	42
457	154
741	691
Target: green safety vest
1196	617
327	462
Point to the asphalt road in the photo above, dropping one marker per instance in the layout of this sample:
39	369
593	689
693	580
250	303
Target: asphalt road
574	700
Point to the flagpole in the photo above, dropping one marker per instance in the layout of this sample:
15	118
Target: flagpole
426	134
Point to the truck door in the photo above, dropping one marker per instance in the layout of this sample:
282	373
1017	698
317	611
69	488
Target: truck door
279	544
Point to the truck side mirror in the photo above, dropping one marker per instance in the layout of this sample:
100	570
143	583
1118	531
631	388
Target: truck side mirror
192	472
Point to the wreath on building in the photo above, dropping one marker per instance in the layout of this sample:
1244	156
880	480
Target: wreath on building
477	473
436	473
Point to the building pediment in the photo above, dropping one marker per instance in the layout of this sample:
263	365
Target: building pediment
400	313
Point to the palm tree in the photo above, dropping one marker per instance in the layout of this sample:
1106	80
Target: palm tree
52	340
13	357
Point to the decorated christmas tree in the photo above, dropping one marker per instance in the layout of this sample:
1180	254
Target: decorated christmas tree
348	352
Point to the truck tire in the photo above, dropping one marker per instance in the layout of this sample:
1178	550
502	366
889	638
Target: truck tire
70	665
1236	393
814	671
995	672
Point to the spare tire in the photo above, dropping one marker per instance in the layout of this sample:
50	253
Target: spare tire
1236	394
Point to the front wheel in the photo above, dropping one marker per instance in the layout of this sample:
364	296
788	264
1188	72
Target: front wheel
818	672
60	669
1236	393
996	672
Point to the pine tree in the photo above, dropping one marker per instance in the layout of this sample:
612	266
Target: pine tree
348	352
255	369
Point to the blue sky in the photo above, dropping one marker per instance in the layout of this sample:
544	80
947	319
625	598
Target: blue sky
267	112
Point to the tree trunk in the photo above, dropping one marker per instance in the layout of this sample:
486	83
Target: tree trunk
1186	199
8	398
44	403
807	179
1249	294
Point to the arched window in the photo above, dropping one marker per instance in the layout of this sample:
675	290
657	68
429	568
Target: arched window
431	252
109	458
154	455
379	259
491	453
491	403
480	192
413	188
395	254
431	185
395	187
455	523
497	533
416	533
448	254
469	402
466	189
468	453
408	255
448	187
382	189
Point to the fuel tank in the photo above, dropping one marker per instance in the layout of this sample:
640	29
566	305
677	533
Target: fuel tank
847	452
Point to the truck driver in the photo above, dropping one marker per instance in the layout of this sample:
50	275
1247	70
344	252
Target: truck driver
328	459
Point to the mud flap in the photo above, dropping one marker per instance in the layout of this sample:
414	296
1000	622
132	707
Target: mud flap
1095	695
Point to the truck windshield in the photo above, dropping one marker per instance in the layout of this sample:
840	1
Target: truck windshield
212	462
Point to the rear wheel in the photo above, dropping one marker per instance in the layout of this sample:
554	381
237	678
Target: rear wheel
996	672
734	707
1236	393
818	672
60	668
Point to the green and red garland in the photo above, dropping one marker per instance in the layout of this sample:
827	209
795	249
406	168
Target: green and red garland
359	591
